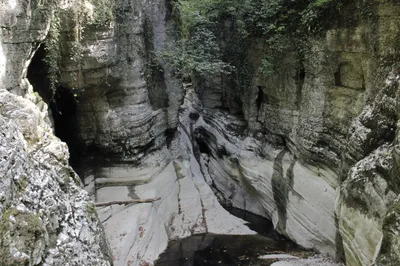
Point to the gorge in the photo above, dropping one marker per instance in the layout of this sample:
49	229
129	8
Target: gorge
285	109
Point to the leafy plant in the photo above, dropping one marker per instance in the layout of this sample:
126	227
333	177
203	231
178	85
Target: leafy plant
53	52
202	23
97	13
103	13
199	54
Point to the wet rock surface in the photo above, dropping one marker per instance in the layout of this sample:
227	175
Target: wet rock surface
313	148
210	250
139	233
265	248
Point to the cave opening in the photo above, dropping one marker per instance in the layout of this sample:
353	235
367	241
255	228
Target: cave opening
170	134
260	97
203	146
61	102
337	76
38	75
64	115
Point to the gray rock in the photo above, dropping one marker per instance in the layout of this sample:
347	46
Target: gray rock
47	218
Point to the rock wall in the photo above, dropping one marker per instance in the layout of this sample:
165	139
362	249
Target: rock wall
127	126
368	198
309	147
139	233
284	148
46	216
127	101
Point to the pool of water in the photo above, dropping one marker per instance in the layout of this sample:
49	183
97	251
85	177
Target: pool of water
229	250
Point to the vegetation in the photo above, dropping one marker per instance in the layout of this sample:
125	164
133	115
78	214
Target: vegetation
28	226
103	13
96	13
53	52
207	25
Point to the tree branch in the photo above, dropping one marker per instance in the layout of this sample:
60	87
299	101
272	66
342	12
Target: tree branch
101	204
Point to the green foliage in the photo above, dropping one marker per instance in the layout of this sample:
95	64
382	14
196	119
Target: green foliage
197	50
53	51
200	54
97	13
316	15
203	22
103	13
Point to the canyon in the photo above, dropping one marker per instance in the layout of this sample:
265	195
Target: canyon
313	147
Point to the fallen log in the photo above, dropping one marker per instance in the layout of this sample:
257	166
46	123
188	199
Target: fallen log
125	202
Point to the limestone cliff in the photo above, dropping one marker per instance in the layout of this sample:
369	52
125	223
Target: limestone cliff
128	102
313	146
46	216
283	147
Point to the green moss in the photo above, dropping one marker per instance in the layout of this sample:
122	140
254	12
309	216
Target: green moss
356	201
103	13
103	16
178	170
390	248
26	228
154	72
91	211
53	51
23	183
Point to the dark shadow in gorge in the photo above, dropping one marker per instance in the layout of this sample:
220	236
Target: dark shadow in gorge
38	75
229	250
61	102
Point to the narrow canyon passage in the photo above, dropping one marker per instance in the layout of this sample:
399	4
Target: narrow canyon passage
209	249
252	132
188	220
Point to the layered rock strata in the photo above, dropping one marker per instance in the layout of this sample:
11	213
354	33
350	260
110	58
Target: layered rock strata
309	147
127	100
187	206
283	148
46	217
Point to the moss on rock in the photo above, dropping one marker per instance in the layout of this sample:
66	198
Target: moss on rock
25	228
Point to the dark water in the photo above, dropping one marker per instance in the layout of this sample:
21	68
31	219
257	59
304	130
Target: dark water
229	250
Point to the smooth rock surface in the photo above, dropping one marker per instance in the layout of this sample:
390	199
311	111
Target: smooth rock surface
258	177
139	233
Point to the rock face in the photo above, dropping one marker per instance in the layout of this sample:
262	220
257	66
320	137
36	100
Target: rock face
313	147
22	24
283	149
254	175
187	205
46	217
292	148
368	203
128	102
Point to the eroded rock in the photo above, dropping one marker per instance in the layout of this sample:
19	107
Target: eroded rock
46	217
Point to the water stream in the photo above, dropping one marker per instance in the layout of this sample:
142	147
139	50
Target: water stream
230	250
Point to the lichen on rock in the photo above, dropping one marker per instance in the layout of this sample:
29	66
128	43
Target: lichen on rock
45	218
45	215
